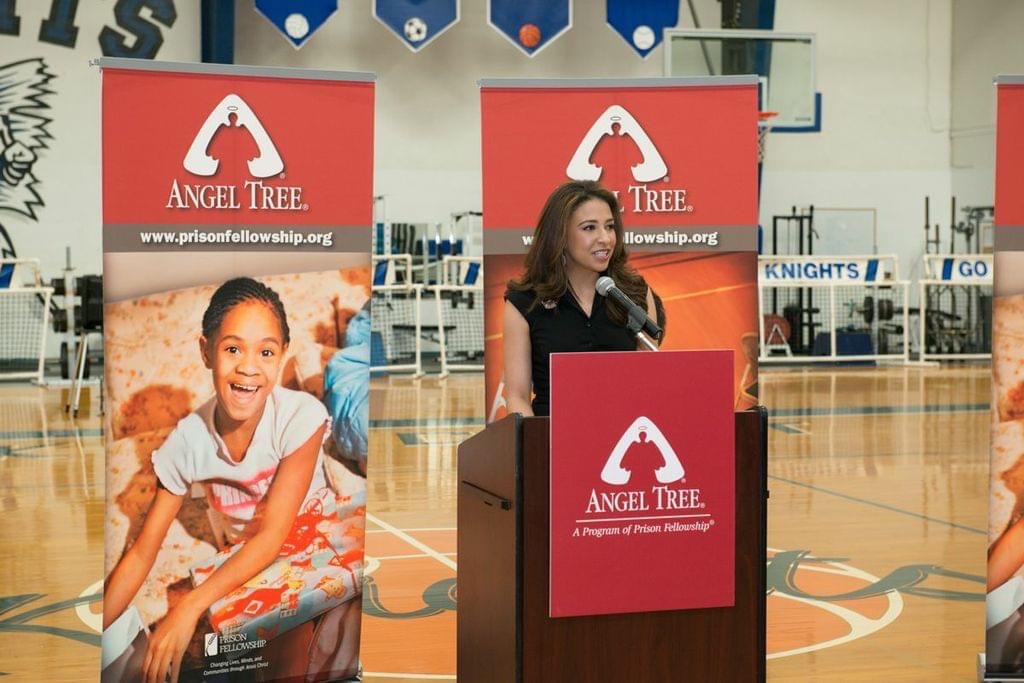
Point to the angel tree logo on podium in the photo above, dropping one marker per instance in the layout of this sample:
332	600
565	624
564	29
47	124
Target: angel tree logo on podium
642	508
639	197
651	495
641	431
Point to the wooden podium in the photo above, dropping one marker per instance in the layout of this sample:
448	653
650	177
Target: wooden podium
504	631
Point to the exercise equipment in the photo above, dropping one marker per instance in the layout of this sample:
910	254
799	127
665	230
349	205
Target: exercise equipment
828	309
870	309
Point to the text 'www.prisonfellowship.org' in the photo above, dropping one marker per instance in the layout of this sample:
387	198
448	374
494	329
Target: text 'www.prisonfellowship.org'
666	237
239	237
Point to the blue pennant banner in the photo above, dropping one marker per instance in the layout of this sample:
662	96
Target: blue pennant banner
297	20
530	25
417	22
641	22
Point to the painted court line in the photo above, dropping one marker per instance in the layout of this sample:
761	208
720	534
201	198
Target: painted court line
54	487
859	455
22	451
878	505
415	556
474	421
428	422
54	433
788	428
374	424
880	410
419	528
419	545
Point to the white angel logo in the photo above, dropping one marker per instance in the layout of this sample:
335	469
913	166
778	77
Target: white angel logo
642	430
650	169
266	164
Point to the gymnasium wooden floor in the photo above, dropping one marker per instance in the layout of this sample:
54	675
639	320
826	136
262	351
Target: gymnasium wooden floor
876	526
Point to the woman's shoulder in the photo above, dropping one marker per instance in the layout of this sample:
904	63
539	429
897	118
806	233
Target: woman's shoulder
527	303
523	300
520	297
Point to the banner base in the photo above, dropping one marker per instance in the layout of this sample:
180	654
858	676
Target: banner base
985	677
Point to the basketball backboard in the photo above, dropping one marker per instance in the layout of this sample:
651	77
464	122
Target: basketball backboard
784	61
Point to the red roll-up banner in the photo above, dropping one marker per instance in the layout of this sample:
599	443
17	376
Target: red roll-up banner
681	154
1005	597
237	207
1010	151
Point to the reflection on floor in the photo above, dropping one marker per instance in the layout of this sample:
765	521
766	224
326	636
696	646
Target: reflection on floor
876	526
51	539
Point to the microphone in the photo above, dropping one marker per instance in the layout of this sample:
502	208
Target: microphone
639	320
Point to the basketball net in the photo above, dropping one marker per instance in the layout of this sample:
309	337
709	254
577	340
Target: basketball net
764	126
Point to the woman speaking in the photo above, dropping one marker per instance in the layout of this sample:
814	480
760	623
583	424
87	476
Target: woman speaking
553	307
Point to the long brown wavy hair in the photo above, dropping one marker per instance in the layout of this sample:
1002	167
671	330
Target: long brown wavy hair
544	272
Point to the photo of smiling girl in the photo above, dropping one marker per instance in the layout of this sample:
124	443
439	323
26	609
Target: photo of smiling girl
257	451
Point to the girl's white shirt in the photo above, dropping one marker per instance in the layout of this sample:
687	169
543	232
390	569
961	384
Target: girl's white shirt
195	453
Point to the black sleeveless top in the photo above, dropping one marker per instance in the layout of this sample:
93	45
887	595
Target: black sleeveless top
562	326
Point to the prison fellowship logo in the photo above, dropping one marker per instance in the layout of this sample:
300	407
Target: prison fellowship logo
257	193
211	645
217	644
640	195
643	484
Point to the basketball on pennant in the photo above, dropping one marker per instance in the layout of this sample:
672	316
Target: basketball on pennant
529	36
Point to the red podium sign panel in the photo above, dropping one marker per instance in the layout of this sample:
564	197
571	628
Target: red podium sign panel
642	482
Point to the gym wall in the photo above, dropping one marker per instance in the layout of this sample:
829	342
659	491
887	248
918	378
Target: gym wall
908	104
986	43
884	75
67	170
428	103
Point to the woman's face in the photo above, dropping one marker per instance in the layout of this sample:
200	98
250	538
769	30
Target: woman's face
245	356
591	236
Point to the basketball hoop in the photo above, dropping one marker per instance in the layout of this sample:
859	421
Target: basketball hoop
764	126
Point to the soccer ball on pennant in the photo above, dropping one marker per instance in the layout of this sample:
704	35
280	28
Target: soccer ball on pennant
415	30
